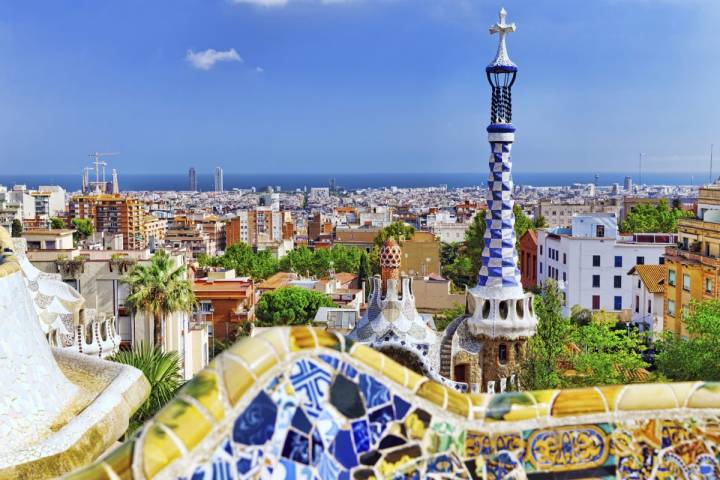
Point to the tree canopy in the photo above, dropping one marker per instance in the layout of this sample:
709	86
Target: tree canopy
578	352
397	230
241	258
660	218
57	223
16	228
318	263
289	306
697	357
83	228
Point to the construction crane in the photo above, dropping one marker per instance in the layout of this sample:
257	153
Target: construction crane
100	164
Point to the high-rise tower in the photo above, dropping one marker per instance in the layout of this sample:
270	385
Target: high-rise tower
501	313
219	187
192	180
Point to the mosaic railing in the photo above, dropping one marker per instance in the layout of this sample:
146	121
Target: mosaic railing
305	403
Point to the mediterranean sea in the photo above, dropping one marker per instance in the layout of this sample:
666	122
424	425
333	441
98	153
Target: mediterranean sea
350	181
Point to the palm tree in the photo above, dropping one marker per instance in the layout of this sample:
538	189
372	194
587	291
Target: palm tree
163	372
159	289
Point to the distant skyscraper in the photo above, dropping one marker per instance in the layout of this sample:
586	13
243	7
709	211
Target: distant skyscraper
628	184
192	180
219	179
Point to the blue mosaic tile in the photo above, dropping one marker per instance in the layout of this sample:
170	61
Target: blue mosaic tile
312	382
297	448
379	420
361	435
330	360
342	449
375	392
316	447
300	421
327	468
401	407
255	426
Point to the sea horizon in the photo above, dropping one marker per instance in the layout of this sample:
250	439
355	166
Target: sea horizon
352	181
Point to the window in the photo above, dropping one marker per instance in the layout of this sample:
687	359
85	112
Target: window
564	258
686	282
596	302
640	261
671	278
617	281
596	260
708	285
541	269
618	261
600	231
541	249
637	304
649	306
671	308
618	302
564	277
661	260
596	281
502	353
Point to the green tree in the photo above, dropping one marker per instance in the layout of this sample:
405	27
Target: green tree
16	229
541	368
522	222
83	228
540	222
159	289
57	223
475	242
289	306
398	231
606	355
696	357
299	260
163	371
364	273
241	258
461	272
659	218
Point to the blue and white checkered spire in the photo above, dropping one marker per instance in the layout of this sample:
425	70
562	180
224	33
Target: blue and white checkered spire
499	273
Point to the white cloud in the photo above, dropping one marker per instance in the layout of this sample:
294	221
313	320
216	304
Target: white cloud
206	59
259	69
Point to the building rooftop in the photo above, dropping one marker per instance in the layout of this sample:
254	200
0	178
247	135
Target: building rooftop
653	276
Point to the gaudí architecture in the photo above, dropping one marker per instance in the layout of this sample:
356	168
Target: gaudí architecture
305	403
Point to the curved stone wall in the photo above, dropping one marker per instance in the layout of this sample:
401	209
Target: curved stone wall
304	403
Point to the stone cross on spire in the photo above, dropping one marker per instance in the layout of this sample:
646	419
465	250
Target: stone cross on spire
501	58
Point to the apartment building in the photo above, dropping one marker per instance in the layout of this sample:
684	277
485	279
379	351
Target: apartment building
693	265
225	302
560	214
648	284
112	213
590	261
260	227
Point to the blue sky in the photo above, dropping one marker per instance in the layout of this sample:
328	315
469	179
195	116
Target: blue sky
354	86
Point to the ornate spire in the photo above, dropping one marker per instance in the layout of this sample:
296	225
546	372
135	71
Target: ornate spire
502	60
501	75
390	258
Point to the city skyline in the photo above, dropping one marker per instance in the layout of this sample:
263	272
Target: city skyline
400	87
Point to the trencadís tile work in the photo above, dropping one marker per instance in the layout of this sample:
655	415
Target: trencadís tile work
304	403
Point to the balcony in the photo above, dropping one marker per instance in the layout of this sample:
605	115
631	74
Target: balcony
687	256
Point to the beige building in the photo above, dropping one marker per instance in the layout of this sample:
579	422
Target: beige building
46	239
559	214
420	255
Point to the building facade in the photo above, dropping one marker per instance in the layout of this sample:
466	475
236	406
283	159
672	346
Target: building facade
112	214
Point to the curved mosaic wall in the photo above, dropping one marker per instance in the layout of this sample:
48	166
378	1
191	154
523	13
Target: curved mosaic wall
303	403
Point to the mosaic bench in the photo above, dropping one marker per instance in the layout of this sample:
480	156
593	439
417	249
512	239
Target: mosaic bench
304	403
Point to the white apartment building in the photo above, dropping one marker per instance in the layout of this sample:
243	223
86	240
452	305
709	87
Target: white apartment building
590	261
450	232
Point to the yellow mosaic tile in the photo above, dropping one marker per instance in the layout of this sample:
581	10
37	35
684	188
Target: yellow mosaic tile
205	388
458	403
158	450
236	377
433	392
186	422
327	339
706	396
611	395
302	338
682	391
401	375
543	400
96	471
647	397
279	340
120	460
368	356
255	354
511	406
569	403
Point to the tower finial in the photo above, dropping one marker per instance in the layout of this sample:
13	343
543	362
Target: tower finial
501	28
